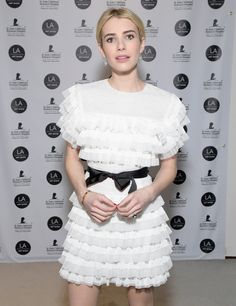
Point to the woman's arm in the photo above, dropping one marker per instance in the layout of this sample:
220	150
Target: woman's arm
98	206
75	171
165	175
136	201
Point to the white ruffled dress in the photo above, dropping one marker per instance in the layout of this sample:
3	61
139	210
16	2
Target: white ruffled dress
120	131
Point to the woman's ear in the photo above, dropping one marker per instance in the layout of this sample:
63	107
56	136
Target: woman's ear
142	45
101	50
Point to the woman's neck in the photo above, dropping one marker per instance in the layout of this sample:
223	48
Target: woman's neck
128	83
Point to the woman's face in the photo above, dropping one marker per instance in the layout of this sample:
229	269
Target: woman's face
121	45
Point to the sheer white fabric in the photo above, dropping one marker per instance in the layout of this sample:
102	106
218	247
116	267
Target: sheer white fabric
119	131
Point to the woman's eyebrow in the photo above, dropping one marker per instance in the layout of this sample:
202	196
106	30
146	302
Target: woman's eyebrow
129	31
125	32
109	34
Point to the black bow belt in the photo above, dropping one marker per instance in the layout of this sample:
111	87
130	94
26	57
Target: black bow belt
121	180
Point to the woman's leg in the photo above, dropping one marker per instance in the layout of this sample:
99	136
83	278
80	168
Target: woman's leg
83	295
140	297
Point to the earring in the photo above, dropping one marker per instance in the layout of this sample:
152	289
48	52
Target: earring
105	61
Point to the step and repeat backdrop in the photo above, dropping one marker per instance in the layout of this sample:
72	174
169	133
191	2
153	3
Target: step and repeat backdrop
49	45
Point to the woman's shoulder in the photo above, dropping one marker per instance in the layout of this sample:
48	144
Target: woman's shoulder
161	93
164	99
91	86
85	87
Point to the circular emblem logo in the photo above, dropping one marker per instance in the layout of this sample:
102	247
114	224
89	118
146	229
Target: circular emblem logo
209	153
181	81
177	222
14	3
149	53
18	105
83	53
50	27
211	105
82	4
55	223
20	154
51	81
182	27
148	4
207	245
54	177
22	200
208	199
180	177
16	52
23	247
213	53
52	130
215	4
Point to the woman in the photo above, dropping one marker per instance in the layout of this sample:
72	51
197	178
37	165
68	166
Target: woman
117	231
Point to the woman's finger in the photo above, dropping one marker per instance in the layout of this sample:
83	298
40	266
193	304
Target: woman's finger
98	217
126	200
134	212
125	210
103	199
100	211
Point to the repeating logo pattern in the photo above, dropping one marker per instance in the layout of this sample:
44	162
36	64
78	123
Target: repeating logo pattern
51	81
16	52
50	27
149	4
54	223
22	200
182	27
213	53
54	177
83	53
216	4
83	4
20	154
23	247
14	3
60	53
19	105
181	81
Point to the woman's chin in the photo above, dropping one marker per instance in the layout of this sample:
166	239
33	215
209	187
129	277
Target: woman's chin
125	70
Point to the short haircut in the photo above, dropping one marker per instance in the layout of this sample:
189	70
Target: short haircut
119	13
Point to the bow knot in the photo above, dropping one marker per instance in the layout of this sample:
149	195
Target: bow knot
122	180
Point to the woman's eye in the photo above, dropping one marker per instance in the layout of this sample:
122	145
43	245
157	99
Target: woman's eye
109	39
130	36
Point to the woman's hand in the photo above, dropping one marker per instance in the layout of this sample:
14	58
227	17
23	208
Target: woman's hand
98	206
135	202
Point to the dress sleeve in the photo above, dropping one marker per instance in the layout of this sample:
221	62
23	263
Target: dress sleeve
71	114
174	128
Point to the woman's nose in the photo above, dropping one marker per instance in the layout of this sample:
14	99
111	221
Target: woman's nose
120	44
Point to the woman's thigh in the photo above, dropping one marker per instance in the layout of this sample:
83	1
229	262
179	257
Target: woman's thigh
140	297
83	295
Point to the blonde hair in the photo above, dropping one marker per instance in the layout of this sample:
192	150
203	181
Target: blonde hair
119	13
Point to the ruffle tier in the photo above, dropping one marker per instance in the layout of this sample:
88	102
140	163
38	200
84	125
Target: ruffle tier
128	140
139	270
118	239
139	283
144	221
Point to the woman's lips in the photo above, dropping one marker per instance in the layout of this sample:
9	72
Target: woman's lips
122	58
